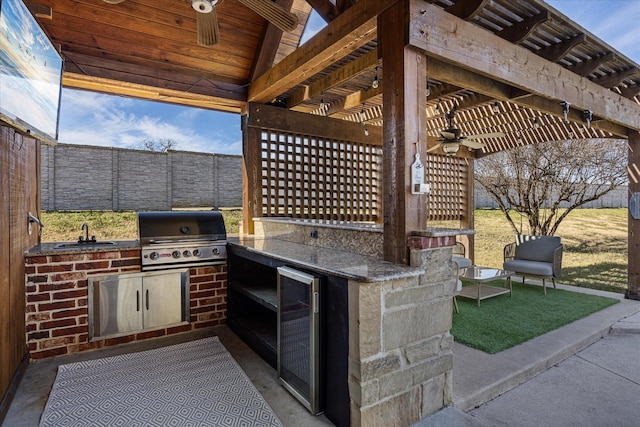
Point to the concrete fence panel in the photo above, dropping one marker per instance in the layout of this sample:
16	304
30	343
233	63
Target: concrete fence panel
78	177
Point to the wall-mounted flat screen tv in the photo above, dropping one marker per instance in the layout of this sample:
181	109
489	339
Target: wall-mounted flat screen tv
30	73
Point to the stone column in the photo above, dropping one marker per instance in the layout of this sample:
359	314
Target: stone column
400	348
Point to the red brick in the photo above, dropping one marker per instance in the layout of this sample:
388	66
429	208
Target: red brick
119	340
200	279
202	294
58	323
38	317
29	269
125	262
38	335
69	313
221	277
58	305
31	327
30	288
103	255
134	253
38	297
73	294
31	308
179	329
55	342
36	260
151	334
91	265
63	277
68	258
209	324
38	279
48	353
86	346
61	332
54	268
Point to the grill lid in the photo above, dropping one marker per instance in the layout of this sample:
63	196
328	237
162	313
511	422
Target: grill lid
180	226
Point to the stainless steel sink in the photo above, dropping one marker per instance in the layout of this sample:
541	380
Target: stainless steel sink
76	245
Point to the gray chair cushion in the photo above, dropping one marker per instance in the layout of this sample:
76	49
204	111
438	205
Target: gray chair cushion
535	268
462	262
536	248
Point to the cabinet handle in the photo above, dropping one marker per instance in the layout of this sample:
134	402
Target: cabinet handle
137	300
147	299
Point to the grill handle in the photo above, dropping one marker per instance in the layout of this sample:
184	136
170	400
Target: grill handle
137	300
147	298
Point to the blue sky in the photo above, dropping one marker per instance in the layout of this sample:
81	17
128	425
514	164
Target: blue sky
113	121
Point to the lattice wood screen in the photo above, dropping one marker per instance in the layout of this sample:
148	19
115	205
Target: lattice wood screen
449	192
312	177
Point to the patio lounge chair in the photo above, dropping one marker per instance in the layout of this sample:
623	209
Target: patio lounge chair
535	256
460	258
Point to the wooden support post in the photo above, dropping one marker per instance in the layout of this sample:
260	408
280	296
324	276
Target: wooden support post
251	176
633	265
404	95
468	219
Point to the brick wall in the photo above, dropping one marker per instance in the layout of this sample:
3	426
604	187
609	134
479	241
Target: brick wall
79	177
57	300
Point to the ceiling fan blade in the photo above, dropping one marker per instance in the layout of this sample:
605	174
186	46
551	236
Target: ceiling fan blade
434	148
113	1
472	144
486	135
448	135
207	27
274	13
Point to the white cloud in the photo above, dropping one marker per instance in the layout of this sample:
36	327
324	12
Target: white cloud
89	118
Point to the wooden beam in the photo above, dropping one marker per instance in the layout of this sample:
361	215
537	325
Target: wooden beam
631	91
39	10
558	51
613	80
268	117
343	74
517	33
451	40
466	9
325	9
349	31
152	93
404	93
587	67
353	100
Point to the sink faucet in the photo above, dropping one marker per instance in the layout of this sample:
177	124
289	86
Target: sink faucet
85	238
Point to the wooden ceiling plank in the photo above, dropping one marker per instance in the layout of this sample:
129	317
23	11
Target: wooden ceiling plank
325	9
347	32
341	75
631	91
516	33
443	36
587	67
39	10
269	44
353	100
560	50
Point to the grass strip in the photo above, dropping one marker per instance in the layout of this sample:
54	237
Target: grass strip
502	322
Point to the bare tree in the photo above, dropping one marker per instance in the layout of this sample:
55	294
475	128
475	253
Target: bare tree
160	145
545	182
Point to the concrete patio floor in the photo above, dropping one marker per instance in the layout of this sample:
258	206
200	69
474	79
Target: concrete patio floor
483	383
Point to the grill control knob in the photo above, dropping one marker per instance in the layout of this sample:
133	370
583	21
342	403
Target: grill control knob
186	254
216	251
154	256
196	252
176	254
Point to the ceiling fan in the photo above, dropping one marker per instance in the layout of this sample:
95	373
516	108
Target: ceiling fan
452	140
207	18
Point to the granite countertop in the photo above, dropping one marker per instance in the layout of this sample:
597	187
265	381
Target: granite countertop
327	223
330	261
53	248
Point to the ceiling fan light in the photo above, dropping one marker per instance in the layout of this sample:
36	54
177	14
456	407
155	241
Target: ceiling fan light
203	6
450	148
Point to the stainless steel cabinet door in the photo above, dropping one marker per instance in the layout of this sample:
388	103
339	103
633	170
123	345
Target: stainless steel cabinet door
115	304
163	294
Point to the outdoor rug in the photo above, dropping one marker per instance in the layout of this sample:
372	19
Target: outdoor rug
197	383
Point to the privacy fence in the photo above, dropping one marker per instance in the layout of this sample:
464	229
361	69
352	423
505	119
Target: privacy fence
78	177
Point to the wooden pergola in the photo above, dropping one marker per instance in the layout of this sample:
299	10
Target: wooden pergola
504	65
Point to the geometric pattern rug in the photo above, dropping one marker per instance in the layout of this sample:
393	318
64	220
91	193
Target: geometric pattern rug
197	383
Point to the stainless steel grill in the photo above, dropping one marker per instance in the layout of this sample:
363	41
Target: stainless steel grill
177	239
